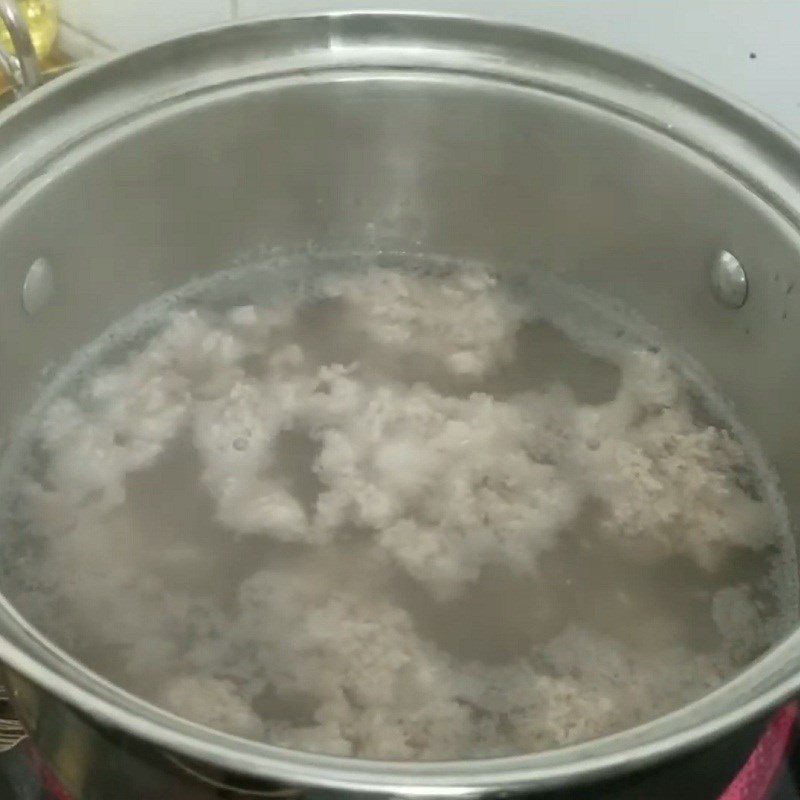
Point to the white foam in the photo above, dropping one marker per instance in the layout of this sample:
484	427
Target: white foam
443	486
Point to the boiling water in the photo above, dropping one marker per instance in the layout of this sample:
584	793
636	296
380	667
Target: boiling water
398	513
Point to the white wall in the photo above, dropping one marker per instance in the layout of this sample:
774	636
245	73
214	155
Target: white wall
747	47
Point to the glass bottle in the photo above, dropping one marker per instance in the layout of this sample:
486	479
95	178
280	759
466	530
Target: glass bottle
42	19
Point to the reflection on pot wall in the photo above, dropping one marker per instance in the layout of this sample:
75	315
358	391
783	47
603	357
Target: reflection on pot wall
751	53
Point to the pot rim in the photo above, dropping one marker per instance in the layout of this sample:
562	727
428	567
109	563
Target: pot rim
742	699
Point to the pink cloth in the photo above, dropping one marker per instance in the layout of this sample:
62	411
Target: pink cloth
756	778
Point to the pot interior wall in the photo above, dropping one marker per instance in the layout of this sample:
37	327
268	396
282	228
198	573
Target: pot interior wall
440	164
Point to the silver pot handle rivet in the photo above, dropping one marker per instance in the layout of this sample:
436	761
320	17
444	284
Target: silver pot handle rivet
22	66
728	280
38	286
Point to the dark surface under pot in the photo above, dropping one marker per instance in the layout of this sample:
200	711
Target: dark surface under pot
760	762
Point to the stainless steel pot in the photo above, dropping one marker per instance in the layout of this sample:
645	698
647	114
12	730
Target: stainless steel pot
413	133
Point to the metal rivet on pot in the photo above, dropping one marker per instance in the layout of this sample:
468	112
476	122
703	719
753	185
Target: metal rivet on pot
728	280
38	286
